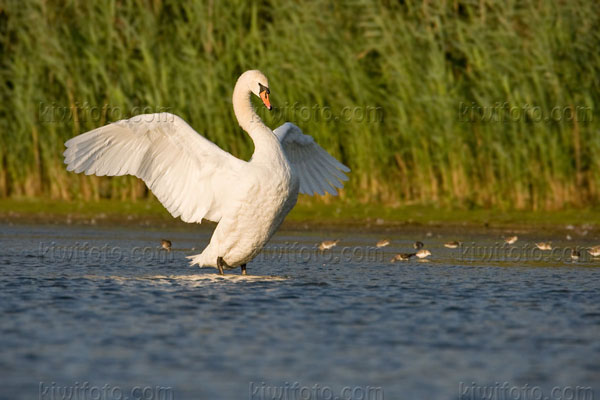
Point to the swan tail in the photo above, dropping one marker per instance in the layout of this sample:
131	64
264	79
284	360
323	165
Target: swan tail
199	260
195	260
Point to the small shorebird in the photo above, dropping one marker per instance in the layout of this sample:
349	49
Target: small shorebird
452	245
382	243
328	244
418	245
402	257
544	245
511	239
423	253
594	251
165	244
575	254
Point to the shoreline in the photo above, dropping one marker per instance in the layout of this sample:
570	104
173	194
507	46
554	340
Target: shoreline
305	216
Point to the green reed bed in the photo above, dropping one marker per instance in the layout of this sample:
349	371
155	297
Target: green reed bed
456	103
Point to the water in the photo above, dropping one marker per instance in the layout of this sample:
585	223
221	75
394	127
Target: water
104	307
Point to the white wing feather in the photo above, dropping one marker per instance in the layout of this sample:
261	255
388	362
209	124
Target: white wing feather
318	171
187	172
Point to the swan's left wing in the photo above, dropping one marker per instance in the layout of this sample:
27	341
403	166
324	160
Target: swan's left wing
318	171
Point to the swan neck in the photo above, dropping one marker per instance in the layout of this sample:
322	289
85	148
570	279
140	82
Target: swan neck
261	135
244	111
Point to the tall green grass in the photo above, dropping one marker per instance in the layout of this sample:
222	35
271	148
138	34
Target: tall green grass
441	83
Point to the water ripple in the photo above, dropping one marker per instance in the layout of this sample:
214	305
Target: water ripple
415	329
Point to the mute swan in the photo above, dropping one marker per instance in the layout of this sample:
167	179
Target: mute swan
195	179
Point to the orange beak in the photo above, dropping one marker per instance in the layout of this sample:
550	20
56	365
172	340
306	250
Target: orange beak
264	96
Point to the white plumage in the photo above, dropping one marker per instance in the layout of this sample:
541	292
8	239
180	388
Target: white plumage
317	170
195	179
182	168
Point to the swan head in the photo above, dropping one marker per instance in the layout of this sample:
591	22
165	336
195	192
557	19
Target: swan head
258	84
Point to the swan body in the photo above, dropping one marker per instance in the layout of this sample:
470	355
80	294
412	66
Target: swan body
195	179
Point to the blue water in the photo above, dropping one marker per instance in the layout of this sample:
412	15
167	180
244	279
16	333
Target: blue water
87	306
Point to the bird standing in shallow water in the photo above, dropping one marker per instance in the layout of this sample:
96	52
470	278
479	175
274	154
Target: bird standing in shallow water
195	179
452	245
418	245
511	239
402	257
544	246
575	254
594	251
328	244
423	253
382	243
165	244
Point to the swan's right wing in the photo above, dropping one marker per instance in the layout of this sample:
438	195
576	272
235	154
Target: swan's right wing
188	173
318	171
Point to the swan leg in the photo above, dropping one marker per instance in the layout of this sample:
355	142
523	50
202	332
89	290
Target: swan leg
220	264
243	266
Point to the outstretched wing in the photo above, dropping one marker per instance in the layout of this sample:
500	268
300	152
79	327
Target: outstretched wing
187	172
318	171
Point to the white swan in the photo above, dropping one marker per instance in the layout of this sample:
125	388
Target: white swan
195	179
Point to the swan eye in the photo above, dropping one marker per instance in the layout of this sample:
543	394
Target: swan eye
263	88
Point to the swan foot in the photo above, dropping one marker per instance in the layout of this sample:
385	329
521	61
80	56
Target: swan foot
243	266
220	264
